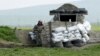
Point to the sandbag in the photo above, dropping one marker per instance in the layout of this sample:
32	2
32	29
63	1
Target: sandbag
57	38
86	37
66	32
76	31
59	29
32	35
71	37
87	25
78	35
82	28
57	34
84	40
65	39
65	35
72	28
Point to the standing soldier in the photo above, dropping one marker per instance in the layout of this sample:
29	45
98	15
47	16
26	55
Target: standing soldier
37	30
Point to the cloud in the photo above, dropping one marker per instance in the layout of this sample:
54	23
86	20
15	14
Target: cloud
13	4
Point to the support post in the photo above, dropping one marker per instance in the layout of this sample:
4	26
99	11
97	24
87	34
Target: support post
50	33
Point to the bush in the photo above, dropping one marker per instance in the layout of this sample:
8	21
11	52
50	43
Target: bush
7	33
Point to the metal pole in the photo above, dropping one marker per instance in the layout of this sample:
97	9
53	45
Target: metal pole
66	25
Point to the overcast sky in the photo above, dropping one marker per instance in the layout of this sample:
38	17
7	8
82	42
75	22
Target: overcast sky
13	4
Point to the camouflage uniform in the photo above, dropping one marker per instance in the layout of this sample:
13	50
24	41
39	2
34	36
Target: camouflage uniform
37	30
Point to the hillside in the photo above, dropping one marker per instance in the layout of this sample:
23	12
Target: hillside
30	15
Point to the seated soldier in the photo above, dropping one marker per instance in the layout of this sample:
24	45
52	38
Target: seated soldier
37	30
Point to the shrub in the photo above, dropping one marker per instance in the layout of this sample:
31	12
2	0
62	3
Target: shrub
7	33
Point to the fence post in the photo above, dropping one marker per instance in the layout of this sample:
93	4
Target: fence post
50	34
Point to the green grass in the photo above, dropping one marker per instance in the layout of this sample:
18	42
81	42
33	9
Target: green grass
96	27
36	51
7	33
25	28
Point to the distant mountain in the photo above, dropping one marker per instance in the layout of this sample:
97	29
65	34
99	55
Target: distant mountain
93	9
30	15
26	16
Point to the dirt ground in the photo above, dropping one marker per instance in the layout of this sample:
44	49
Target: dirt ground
23	37
94	37
26	42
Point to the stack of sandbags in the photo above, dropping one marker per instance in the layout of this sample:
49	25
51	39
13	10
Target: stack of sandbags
78	31
84	30
57	37
74	35
58	34
66	35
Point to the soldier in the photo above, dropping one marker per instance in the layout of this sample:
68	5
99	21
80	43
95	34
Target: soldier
37	30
